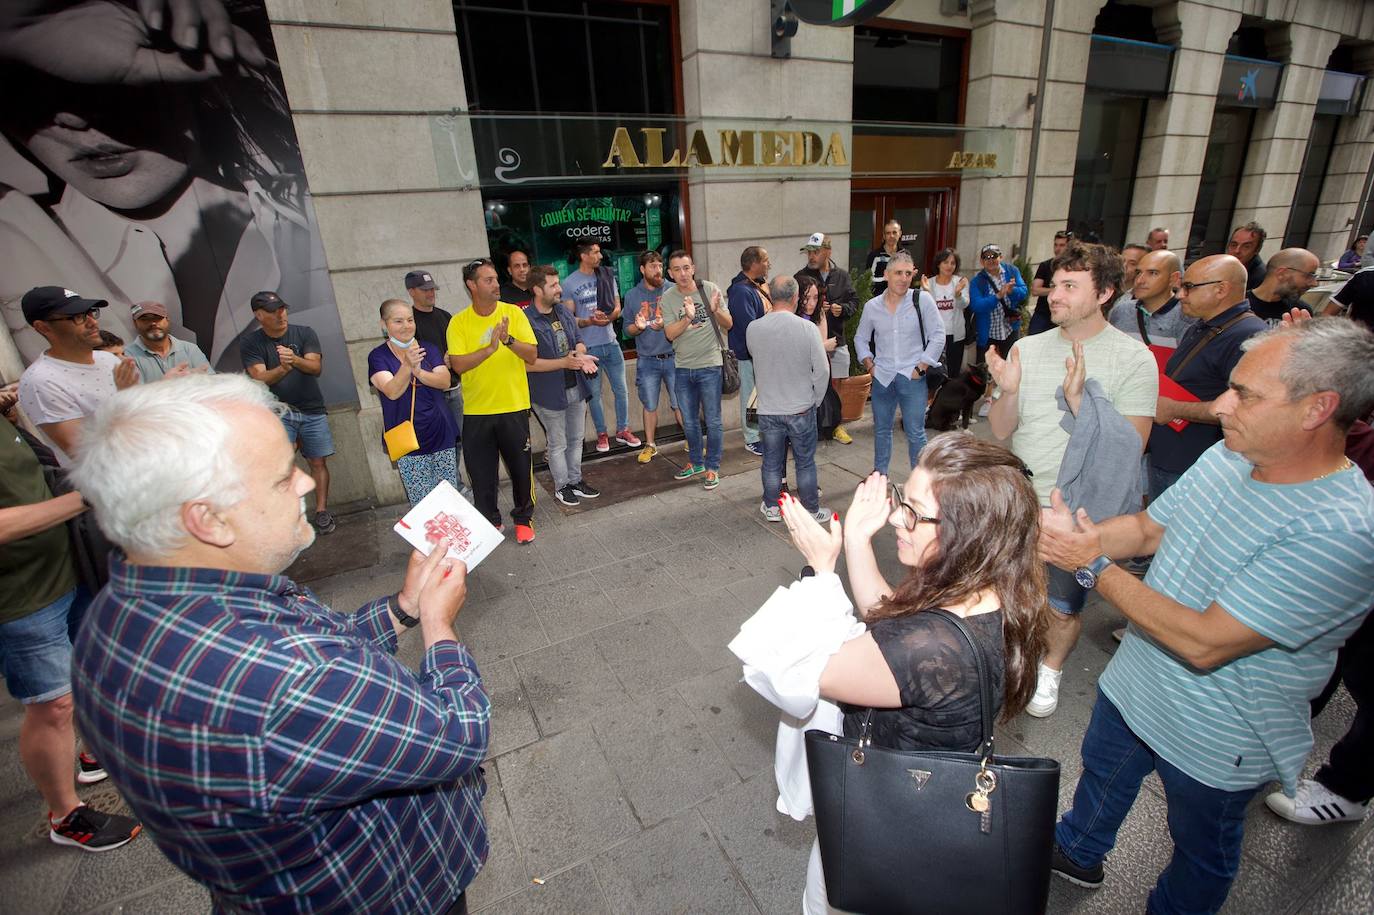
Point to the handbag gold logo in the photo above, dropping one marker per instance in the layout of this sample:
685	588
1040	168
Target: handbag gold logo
919	776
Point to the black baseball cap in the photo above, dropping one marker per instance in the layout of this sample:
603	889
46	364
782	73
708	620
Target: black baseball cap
420	279
268	301
42	302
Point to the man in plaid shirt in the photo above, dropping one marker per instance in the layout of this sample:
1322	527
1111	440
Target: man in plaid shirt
276	750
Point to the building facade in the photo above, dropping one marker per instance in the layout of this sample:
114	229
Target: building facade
433	132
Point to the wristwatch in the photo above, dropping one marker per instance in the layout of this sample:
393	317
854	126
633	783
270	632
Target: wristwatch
510	338
393	604
1087	575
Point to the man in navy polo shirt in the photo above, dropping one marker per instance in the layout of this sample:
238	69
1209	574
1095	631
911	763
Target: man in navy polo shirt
1212	293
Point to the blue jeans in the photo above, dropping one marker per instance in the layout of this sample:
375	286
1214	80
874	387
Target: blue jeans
1206	824
698	391
310	431
652	375
1161	480
910	395
776	432
611	363
746	389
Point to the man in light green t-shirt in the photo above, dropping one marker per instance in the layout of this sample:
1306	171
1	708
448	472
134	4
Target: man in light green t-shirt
1083	345
688	313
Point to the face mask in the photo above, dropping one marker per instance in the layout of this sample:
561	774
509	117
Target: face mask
399	345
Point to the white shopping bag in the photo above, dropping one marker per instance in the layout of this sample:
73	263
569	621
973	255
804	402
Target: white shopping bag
445	513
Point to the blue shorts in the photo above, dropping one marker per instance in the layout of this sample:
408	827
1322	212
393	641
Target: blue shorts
311	430
1065	593
651	374
36	650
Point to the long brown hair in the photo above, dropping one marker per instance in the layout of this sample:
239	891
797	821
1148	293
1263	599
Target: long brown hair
989	524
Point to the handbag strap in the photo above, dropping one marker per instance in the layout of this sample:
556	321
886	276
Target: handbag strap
413	385
1212	335
984	680
1140	323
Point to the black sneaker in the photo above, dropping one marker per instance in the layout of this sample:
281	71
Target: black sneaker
1061	866
89	771
324	522
91	830
585	489
567	496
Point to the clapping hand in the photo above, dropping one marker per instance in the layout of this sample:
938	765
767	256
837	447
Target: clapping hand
818	546
600	318
641	320
1067	539
1296	316
689	308
499	331
962	285
286	356
126	373
1076	374
870	508
1006	373
715	300
415	356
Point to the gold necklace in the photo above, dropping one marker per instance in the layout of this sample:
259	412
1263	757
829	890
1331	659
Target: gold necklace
1344	466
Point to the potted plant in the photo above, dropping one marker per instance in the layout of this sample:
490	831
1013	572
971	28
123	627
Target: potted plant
855	389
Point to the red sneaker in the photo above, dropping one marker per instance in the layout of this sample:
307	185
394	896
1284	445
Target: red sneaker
626	437
524	534
602	442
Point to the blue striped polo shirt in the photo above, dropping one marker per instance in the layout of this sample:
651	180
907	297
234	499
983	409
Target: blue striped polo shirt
1293	562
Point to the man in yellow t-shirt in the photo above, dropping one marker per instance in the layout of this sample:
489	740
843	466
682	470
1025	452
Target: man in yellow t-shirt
489	345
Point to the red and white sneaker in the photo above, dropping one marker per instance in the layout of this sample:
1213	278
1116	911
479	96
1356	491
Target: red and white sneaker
524	534
602	442
89	770
626	437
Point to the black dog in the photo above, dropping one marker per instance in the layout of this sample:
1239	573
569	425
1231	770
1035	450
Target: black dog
956	398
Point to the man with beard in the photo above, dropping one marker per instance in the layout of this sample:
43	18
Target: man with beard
1288	275
277	750
155	351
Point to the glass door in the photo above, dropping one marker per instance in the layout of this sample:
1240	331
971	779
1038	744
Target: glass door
923	216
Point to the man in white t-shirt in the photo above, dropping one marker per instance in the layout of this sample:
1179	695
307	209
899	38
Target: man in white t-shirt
1085	277
71	378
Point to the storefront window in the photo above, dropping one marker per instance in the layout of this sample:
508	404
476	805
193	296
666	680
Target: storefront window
1104	169
1314	166
1222	166
907	76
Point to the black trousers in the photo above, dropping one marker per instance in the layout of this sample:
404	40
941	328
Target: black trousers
1349	770
504	436
954	356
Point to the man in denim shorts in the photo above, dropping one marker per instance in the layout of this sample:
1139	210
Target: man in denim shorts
40	608
654	354
287	359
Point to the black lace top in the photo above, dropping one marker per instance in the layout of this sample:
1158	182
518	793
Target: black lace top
937	679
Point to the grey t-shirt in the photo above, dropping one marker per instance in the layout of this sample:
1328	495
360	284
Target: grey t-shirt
696	347
297	389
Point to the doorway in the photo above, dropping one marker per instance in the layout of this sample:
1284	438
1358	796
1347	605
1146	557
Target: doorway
925	217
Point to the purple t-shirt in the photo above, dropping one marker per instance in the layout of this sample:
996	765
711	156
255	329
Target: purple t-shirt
434	425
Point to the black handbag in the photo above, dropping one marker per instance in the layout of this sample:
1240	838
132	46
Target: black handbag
729	363
933	832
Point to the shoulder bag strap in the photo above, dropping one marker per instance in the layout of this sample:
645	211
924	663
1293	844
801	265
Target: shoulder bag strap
712	315
1140	323
413	385
1198	347
984	680
925	341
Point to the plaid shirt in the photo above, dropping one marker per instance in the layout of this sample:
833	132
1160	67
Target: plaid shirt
276	750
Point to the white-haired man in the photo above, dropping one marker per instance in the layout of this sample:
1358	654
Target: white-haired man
277	751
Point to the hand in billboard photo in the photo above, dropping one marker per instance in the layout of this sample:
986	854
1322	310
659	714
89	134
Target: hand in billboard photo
109	43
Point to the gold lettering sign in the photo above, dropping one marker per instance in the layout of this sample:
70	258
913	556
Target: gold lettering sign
735	148
958	159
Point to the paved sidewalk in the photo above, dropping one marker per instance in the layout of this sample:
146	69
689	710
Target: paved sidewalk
630	771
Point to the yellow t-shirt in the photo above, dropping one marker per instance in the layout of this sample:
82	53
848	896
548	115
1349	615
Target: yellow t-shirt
498	384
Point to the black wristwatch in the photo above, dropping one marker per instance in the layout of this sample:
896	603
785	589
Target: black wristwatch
1087	575
510	338
393	604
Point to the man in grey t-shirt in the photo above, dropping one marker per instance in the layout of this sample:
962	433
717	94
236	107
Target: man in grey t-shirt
791	374
688	314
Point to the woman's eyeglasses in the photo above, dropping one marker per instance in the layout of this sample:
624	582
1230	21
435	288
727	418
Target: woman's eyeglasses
910	517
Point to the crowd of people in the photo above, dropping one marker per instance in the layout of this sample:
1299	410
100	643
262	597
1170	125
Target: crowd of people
1189	443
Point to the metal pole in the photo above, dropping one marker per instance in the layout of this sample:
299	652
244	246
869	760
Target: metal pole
1033	162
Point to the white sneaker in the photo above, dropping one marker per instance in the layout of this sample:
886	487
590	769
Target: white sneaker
983	410
1046	698
1316	805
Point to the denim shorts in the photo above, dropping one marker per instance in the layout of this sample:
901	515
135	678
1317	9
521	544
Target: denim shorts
36	650
651	374
312	431
1065	593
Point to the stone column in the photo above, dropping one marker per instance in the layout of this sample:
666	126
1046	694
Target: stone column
1174	141
728	71
1279	139
383	205
1346	173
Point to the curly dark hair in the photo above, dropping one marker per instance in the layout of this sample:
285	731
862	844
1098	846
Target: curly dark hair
1104	264
989	523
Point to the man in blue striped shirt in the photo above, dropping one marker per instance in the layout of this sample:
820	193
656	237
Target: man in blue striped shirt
1261	572
276	750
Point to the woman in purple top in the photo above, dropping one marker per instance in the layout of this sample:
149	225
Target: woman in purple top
399	369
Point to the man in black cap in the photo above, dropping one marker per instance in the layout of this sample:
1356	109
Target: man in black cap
66	383
287	359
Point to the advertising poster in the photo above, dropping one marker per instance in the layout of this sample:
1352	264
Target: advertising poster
133	168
